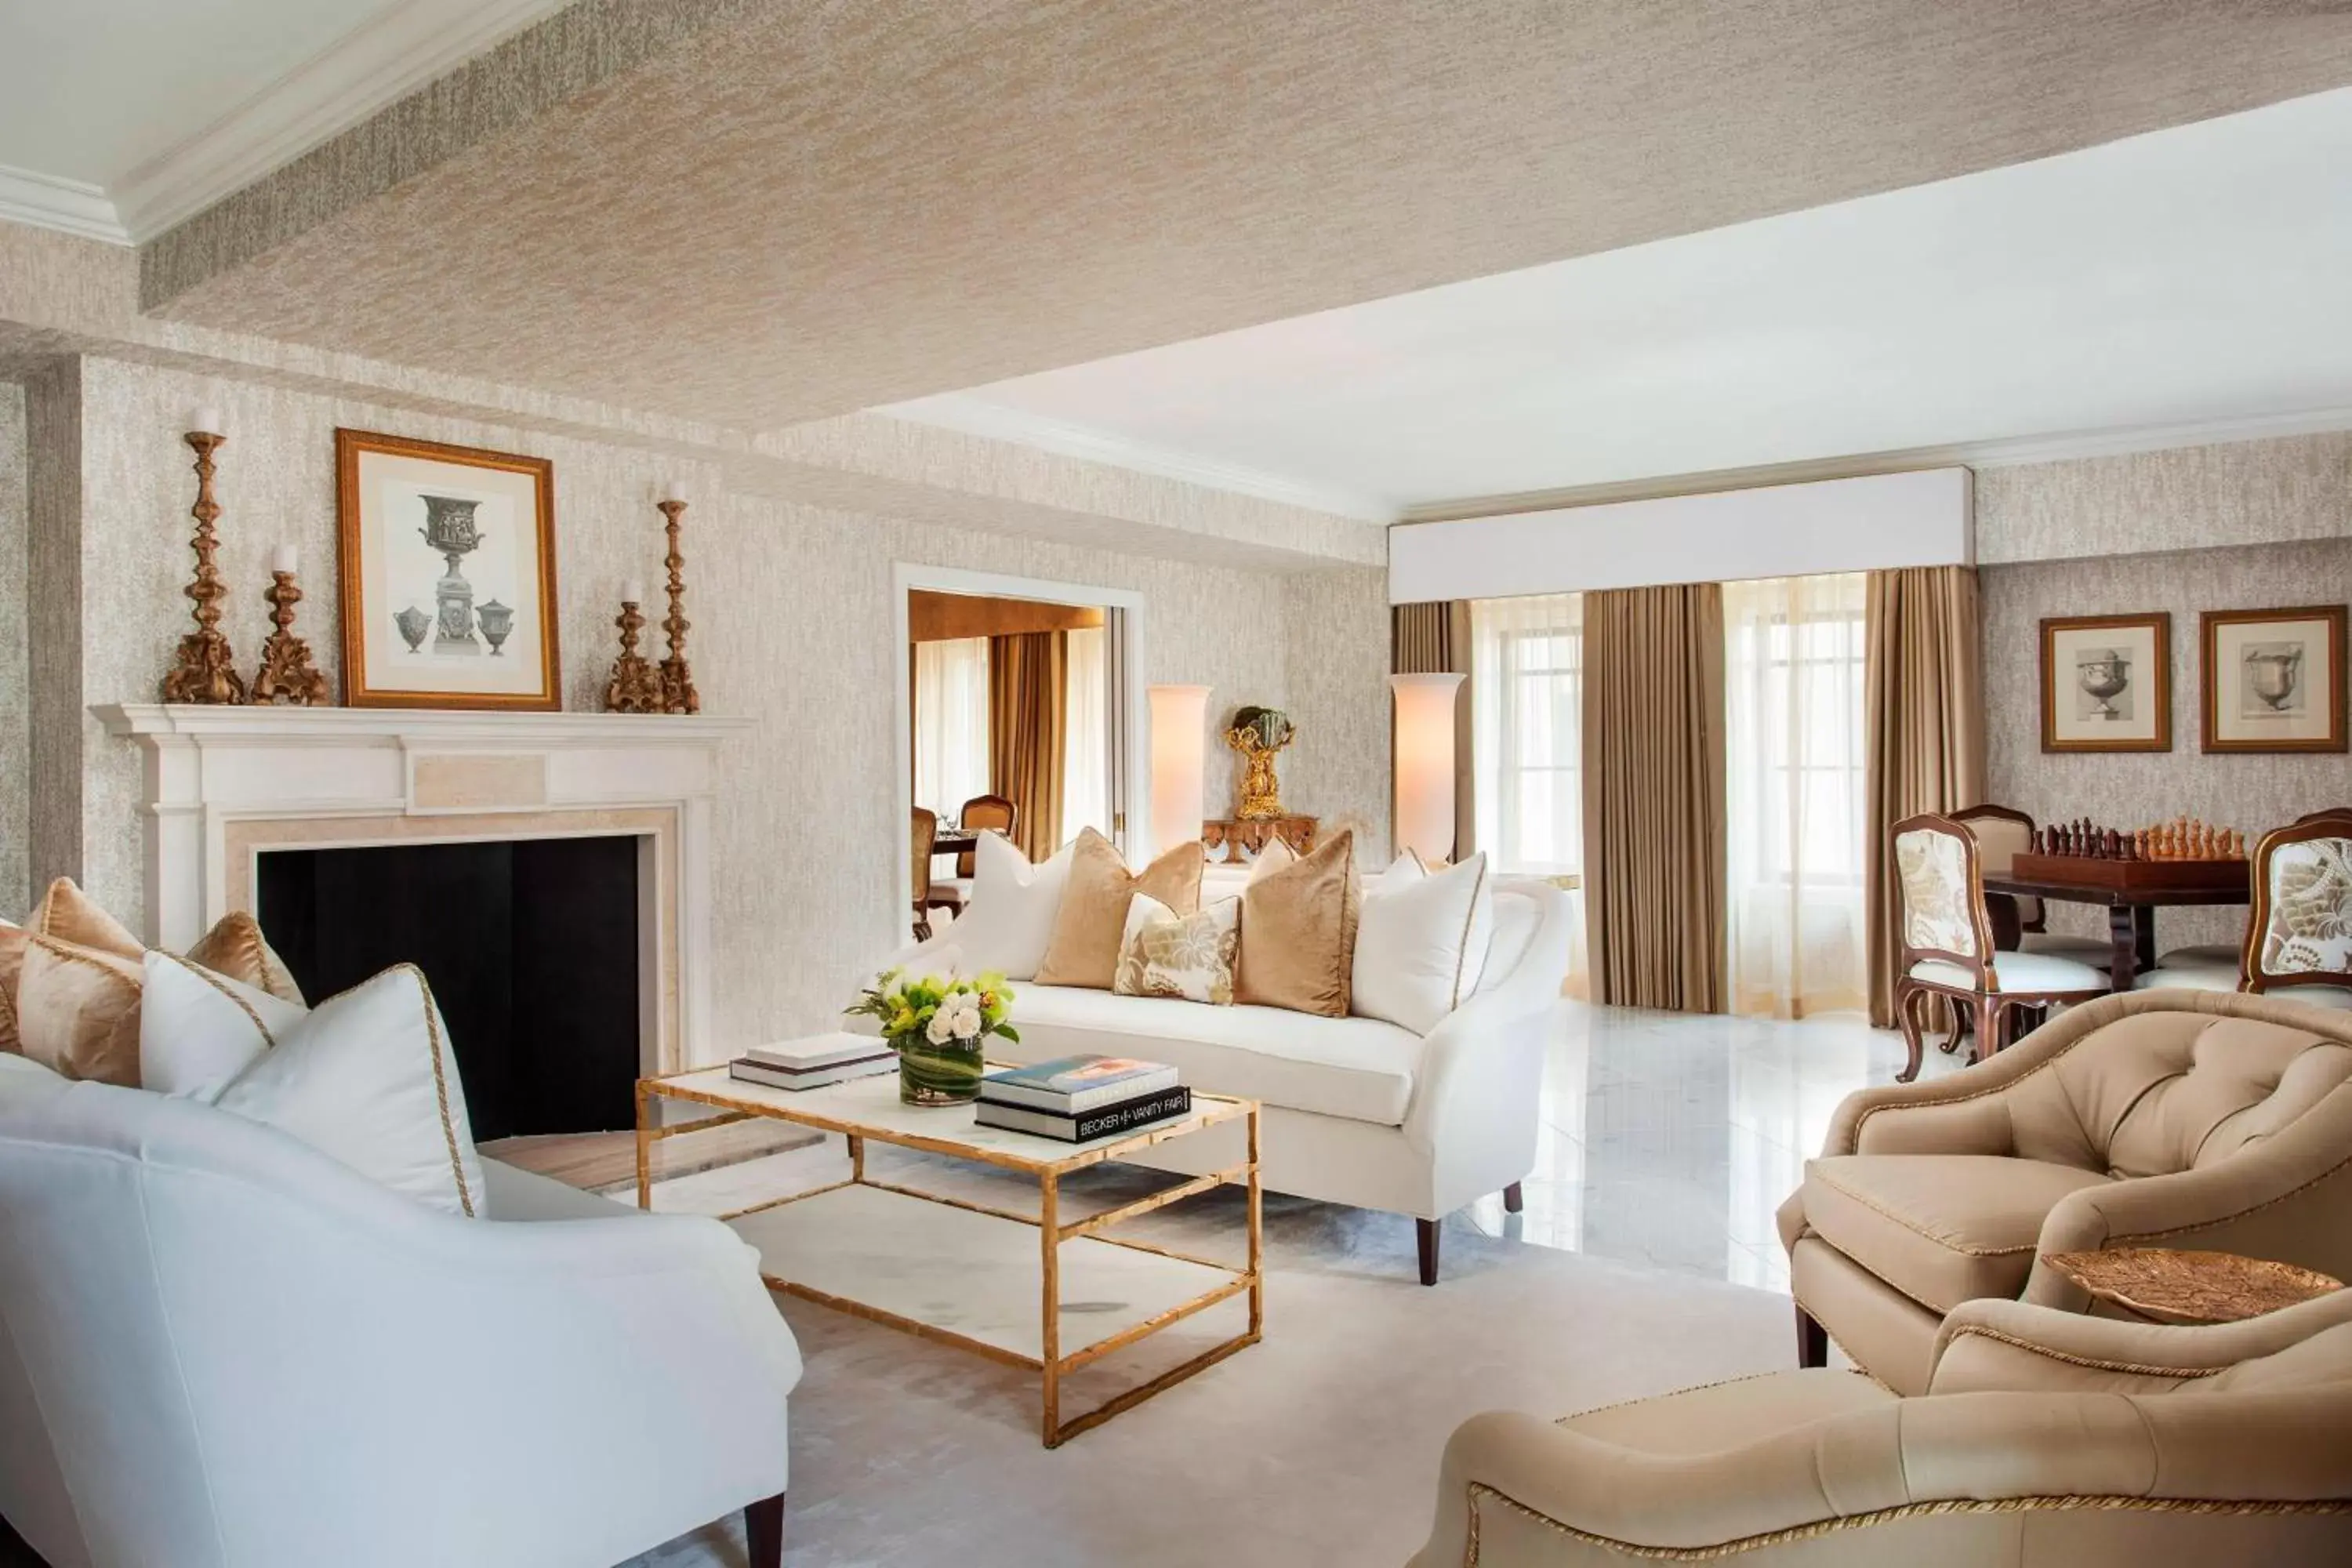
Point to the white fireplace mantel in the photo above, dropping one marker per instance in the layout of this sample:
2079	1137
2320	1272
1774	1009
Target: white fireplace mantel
221	781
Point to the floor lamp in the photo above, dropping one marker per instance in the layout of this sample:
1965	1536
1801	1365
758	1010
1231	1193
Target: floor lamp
1425	764
1178	723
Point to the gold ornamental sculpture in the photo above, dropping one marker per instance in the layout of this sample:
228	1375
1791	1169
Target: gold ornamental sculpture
1258	734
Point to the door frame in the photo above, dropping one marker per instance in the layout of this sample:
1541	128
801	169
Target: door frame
1130	773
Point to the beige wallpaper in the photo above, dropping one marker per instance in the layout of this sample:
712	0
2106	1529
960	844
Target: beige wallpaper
792	618
15	691
2124	789
2183	498
53	621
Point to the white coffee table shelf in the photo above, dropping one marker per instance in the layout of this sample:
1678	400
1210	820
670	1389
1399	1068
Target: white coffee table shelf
1003	1284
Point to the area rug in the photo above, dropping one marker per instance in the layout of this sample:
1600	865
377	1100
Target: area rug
1318	1445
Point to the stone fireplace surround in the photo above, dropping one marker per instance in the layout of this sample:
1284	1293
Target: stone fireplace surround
222	786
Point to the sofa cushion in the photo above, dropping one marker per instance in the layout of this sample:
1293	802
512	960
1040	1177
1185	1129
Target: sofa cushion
1298	932
1093	915
1940	1228
1420	940
1358	1068
1009	920
1715	1416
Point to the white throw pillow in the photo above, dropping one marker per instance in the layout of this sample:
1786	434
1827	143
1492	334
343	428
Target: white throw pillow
1187	957
368	1078
1009	920
197	1029
1421	942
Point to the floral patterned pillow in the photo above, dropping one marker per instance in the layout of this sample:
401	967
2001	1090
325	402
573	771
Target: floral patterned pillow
2310	927
1934	870
1189	957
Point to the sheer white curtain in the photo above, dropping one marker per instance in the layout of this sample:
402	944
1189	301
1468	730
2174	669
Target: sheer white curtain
950	724
1795	768
1085	757
1526	736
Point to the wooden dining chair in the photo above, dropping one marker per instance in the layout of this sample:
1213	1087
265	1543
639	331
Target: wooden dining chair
984	811
2298	940
2003	833
1944	939
926	830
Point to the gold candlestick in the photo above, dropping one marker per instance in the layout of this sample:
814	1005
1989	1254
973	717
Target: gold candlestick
679	695
204	670
287	678
635	685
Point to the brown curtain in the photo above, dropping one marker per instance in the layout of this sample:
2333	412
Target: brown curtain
1923	728
1653	797
1433	639
1028	697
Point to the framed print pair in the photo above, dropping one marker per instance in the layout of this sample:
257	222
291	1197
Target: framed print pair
2272	681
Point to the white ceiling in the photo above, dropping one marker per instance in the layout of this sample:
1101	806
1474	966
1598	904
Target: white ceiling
2195	275
119	118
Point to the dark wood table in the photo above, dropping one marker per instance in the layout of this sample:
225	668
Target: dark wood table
2131	914
954	840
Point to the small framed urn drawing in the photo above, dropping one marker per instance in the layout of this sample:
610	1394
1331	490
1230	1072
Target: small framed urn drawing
2106	683
447	559
2273	679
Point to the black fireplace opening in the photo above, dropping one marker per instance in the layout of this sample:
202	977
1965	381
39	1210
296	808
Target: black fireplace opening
530	947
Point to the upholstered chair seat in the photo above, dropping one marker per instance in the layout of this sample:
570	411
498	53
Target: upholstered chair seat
1940	1228
2039	1439
2019	972
2181	1119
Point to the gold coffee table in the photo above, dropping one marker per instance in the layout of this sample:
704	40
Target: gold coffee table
988	1279
2170	1286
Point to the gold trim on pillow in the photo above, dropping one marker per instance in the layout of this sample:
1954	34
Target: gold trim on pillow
236	947
68	914
441	1086
82	1030
1469	923
214	980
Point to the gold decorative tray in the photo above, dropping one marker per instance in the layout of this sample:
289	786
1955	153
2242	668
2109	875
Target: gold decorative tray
2177	1287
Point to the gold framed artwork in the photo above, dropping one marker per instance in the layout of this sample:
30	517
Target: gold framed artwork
2273	679
448	566
2106	683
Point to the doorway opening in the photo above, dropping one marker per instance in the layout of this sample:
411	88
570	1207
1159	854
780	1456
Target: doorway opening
1015	718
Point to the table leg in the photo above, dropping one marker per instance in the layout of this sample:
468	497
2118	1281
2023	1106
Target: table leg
1050	1346
1257	1236
2144	943
2124	931
856	1157
645	1147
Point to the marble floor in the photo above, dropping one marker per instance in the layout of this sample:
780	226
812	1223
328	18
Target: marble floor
1670	1137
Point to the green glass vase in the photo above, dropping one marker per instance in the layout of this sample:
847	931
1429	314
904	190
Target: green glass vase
938	1075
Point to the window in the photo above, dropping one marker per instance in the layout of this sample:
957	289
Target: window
1795	776
950	724
1527	731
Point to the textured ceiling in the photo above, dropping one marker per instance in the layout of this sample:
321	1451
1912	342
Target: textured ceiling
823	207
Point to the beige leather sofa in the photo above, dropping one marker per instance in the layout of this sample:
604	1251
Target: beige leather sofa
2183	1119
2046	1440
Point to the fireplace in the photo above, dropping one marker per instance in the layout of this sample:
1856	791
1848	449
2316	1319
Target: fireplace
531	947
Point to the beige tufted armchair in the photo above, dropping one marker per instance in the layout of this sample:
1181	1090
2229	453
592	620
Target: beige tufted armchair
2045	1440
2186	1119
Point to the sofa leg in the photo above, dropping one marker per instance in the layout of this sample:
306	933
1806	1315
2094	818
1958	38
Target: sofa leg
1812	1341
1514	1200
764	1526
1425	1234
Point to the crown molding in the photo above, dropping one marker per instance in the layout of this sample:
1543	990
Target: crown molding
976	416
2009	452
365	71
70	206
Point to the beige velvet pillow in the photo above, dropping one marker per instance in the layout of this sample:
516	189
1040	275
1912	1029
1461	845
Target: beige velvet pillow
236	947
78	1011
1299	932
13	942
68	914
1093	917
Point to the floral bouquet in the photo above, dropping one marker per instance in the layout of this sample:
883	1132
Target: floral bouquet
939	1029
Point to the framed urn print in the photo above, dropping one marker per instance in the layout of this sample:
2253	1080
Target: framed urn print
448	560
2274	679
2106	683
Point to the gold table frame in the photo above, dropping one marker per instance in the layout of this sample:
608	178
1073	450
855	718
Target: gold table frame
742	1102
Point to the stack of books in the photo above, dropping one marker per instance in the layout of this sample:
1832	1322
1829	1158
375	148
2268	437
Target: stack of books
813	1063
1077	1099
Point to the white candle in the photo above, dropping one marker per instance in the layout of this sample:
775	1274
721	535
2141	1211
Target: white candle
633	591
283	558
673	489
209	420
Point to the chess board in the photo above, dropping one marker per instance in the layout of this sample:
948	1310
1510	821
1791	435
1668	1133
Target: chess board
2132	875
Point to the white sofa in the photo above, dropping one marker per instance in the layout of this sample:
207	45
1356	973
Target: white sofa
1357	1111
222	1349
